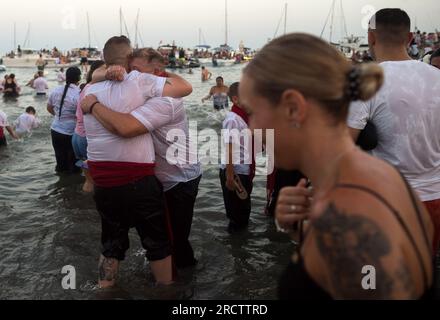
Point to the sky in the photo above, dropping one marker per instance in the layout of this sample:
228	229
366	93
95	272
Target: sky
63	23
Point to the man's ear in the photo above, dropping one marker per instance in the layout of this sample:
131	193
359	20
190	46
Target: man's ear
371	38
410	38
294	106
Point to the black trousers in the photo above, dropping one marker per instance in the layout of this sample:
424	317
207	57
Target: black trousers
64	154
238	211
180	202
137	205
3	142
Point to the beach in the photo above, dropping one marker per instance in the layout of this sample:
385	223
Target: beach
47	223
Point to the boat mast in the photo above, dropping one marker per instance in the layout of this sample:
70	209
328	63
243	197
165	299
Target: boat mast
332	20
226	22
137	30
200	36
88	29
15	36
27	42
120	21
285	19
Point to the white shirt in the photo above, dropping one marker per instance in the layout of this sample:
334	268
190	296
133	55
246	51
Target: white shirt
122	97
3	120
406	112
242	147
40	85
67	122
166	120
25	123
61	77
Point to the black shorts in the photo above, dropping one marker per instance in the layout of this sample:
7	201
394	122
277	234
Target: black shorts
84	60
3	142
137	205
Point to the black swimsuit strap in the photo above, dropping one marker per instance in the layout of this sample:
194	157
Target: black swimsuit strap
399	219
419	214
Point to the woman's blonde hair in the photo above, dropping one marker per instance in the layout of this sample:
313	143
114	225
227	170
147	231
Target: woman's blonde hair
314	68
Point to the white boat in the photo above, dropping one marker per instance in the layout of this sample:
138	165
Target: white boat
225	62
29	57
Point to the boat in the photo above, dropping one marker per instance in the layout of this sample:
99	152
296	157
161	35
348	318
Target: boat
29	57
2	68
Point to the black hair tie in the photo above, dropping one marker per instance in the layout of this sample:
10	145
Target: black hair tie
354	83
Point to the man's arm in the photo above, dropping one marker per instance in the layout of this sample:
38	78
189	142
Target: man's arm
120	124
230	171
51	109
176	87
12	132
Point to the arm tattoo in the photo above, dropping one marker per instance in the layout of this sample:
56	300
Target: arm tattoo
168	82
348	243
107	270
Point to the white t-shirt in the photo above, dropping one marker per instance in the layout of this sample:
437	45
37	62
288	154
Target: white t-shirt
122	97
163	117
61	77
3	120
67	122
40	85
242	146
406	112
25	123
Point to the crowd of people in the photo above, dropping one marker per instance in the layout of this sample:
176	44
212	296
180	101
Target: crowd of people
347	208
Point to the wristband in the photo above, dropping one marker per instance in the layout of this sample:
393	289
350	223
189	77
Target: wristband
93	105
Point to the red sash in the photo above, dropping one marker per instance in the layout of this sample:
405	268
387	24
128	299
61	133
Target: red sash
2	133
116	174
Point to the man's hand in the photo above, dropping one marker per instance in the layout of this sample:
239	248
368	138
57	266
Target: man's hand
293	205
115	73
230	179
87	103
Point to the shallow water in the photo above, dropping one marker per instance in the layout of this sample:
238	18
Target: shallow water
46	223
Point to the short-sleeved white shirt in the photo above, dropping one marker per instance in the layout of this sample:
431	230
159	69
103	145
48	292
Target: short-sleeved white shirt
67	122
242	151
40	85
123	97
406	112
166	120
25	123
3	120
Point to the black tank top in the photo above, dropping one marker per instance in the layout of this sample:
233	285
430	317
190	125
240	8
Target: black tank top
296	283
12	86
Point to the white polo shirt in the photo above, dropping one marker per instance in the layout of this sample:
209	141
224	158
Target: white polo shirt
166	120
123	97
242	145
40	85
25	123
406	112
3	120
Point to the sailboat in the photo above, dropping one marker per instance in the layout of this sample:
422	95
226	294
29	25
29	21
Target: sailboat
284	15
348	45
27	57
223	54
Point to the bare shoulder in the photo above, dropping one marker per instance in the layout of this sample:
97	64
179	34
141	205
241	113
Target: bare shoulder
359	249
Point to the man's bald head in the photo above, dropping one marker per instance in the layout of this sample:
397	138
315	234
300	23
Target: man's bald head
117	50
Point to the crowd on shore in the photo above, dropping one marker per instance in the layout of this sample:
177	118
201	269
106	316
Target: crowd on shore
356	147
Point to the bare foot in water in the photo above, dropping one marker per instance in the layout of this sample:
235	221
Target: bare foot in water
88	188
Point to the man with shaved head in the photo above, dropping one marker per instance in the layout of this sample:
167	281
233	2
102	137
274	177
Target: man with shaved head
127	193
406	111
